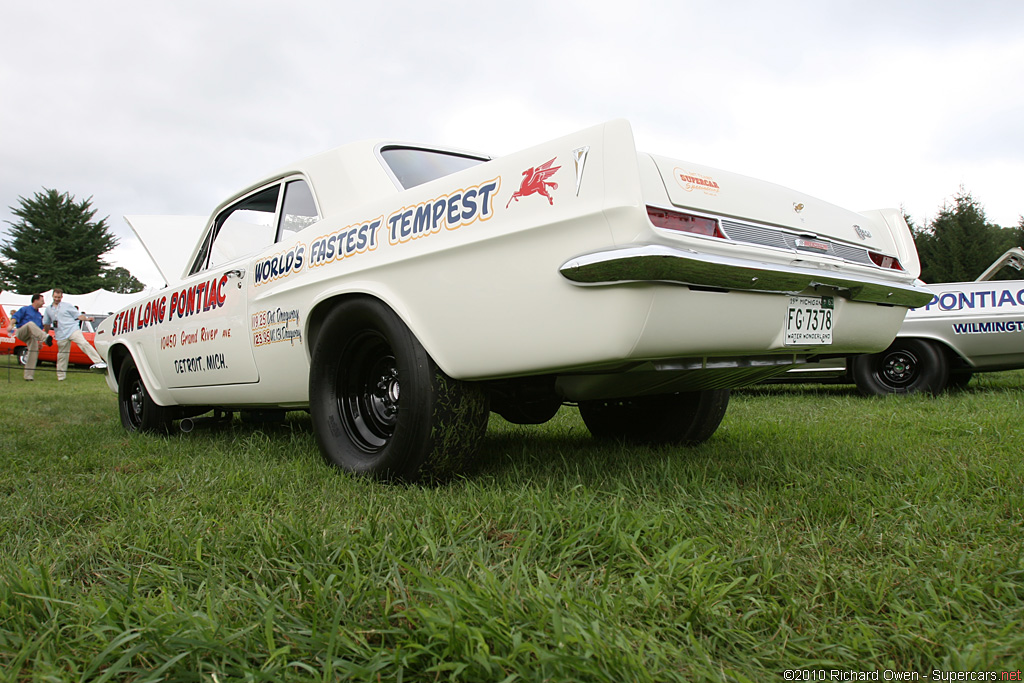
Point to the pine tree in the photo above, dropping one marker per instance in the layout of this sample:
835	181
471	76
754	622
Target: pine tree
55	243
959	244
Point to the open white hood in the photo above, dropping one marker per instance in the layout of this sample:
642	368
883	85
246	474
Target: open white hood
169	241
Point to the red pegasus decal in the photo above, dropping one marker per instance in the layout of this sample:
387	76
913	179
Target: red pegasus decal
535	181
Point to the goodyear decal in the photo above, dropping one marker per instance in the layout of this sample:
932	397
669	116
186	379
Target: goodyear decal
345	243
992	298
451	211
281	264
186	302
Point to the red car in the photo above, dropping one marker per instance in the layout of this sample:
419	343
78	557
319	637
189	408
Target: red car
11	345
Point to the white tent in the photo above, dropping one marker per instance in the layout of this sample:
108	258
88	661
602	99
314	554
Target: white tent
100	302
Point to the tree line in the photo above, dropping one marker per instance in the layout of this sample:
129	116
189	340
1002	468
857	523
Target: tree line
57	243
959	243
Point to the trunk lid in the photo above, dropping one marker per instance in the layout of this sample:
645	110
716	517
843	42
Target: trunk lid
731	195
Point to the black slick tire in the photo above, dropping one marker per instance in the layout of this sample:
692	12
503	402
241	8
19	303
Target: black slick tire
139	413
685	419
381	406
908	366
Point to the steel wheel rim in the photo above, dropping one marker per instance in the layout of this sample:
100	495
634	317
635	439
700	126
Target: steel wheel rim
135	401
900	368
368	391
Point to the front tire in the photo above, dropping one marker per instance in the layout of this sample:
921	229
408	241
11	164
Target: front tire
382	407
139	413
684	419
908	366
22	354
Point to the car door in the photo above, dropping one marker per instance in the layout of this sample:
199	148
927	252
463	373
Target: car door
208	314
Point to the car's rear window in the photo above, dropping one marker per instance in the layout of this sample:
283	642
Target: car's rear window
414	167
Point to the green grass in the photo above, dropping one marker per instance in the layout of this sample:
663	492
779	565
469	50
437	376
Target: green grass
816	529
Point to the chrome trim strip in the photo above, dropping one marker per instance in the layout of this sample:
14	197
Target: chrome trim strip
656	263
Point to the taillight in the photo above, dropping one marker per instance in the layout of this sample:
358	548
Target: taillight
684	222
883	261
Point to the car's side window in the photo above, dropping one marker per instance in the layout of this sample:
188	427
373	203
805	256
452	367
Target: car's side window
298	210
411	167
241	229
245	227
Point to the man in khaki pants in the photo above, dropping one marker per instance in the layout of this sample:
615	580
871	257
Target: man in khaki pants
28	322
66	318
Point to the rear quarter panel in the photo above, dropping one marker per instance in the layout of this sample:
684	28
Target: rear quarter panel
485	296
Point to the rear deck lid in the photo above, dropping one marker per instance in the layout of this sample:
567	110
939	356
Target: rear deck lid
755	202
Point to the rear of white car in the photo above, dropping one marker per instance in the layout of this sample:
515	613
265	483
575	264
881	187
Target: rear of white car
623	267
638	287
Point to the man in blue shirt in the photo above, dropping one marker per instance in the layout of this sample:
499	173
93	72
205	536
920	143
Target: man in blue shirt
29	322
65	318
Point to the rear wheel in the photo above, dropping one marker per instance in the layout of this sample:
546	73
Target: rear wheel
22	353
687	418
382	407
908	366
139	413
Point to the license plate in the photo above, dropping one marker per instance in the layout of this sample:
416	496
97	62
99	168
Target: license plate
809	320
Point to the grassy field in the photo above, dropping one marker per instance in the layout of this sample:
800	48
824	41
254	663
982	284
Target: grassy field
816	530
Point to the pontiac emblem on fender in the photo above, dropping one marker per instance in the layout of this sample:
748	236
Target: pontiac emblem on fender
579	157
535	181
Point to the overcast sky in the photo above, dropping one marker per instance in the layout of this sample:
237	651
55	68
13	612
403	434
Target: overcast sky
167	108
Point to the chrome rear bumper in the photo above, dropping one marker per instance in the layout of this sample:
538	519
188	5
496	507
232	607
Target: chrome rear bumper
655	263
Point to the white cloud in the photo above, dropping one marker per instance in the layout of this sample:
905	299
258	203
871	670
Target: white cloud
168	108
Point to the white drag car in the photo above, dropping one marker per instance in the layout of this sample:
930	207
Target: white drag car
966	327
399	293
